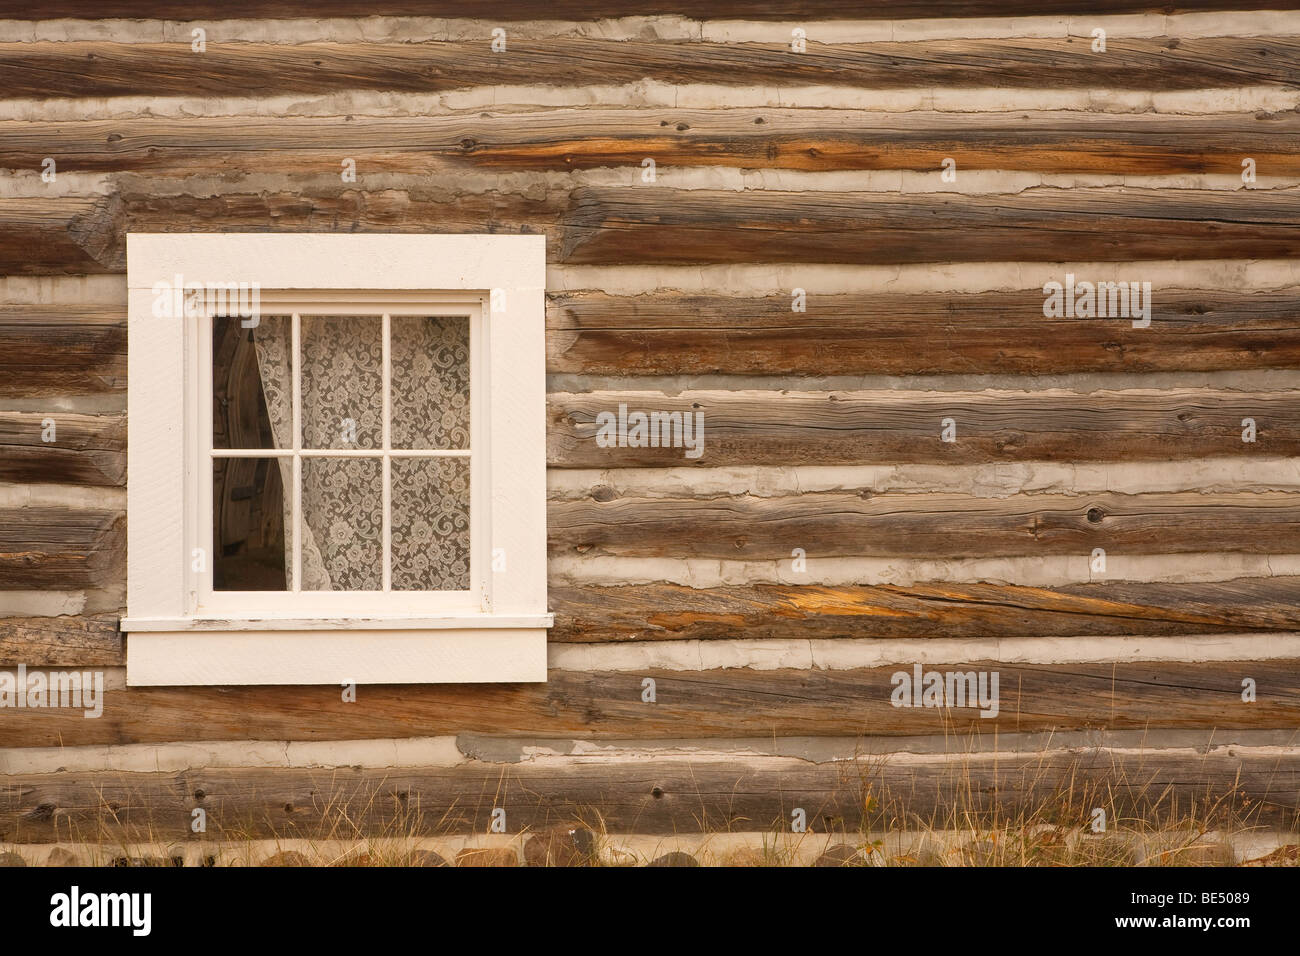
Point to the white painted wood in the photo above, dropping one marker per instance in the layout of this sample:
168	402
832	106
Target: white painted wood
325	262
181	658
158	561
269	622
386	424
312	274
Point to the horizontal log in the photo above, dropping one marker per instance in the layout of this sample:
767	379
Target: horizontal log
920	334
948	526
689	704
61	548
606	9
104	68
755	427
60	236
664	612
614	225
63	448
650	225
812	140
62	350
769	427
65	641
89	237
660	796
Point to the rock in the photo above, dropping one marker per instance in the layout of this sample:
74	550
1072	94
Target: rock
676	858
561	846
285	858
750	856
488	856
840	854
426	858
10	858
1286	855
147	861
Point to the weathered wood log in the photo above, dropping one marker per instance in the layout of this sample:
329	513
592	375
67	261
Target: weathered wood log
604	9
662	612
688	704
649	225
615	225
770	427
104	68
920	334
80	450
60	236
71	548
817	140
662	795
61	548
62	350
952	526
89	237
65	641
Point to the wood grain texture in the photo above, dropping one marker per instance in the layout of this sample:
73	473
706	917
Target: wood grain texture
919	334
86	450
61	236
61	548
689	704
665	612
48	350
755	427
948	526
104	68
65	641
663	795
655	226
811	140
603	9
821	428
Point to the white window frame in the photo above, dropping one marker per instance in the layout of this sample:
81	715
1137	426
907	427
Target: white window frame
179	631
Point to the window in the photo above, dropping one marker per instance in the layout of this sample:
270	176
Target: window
336	463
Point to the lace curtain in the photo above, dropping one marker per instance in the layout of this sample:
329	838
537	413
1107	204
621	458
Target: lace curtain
342	407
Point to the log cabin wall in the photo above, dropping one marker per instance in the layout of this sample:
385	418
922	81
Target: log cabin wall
805	268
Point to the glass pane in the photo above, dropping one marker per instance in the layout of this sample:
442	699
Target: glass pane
248	522
430	357
252	383
342	524
342	381
430	524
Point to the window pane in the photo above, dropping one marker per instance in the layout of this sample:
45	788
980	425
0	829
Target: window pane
430	358
342	381
431	524
248	522
251	383
342	524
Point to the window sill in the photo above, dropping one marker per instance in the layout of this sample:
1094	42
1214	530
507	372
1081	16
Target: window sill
207	652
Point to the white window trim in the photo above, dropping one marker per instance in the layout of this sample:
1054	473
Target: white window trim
182	634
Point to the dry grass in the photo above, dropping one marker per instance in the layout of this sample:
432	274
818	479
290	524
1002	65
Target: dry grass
1026	821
